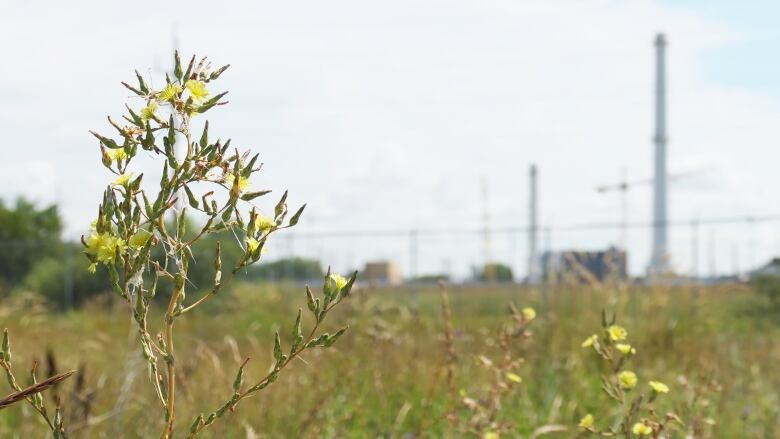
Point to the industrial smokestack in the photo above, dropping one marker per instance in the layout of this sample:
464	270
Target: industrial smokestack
659	260
533	229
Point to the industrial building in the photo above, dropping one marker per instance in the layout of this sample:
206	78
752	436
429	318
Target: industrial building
382	273
585	266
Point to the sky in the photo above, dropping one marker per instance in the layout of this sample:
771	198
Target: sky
391	115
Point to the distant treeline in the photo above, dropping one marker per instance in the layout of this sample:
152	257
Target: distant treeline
35	258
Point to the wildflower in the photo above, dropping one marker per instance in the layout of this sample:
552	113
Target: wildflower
514	377
263	223
197	89
92	268
529	313
122	180
104	247
169	92
243	182
586	422
625	348
617	333
627	380
485	361
590	341
140	238
339	280
117	154
148	111
641	429
490	435
252	244
659	387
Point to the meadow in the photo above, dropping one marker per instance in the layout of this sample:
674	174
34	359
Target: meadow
716	347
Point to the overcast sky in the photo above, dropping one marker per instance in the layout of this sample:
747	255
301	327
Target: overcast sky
388	114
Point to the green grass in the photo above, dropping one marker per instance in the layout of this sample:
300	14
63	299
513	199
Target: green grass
725	345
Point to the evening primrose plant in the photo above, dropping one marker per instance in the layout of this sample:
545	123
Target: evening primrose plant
635	400
134	223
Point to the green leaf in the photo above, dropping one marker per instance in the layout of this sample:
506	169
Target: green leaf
206	106
109	143
281	206
239	377
297	333
6	352
252	195
310	301
191	197
277	348
141	83
332	339
215	74
204	137
177	65
297	216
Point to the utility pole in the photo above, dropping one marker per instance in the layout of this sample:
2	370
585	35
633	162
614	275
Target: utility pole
489	269
533	227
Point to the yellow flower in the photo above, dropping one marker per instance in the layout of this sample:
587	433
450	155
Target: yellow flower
263	223
641	429
104	247
625	348
197	89
617	333
243	182
339	280
659	387
117	154
122	180
140	238
148	111
586	422
490	435
92	268
529	313
169	92
590	341
627	380
514	377
252	244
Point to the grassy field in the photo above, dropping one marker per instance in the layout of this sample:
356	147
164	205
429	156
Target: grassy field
718	349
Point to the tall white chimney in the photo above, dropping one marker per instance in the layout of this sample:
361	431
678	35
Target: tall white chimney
659	260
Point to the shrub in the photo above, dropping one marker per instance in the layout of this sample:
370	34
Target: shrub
65	286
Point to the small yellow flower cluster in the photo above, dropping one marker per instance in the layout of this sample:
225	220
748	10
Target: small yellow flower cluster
170	92
122	180
625	348
243	182
104	247
659	387
586	422
338	280
263	223
641	429
590	341
117	154
197	90
529	313
148	111
252	244
627	380
514	377
617	333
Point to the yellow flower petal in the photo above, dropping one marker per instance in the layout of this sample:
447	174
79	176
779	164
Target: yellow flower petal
586	422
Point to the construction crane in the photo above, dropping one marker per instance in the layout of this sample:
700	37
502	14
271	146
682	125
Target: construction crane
623	186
